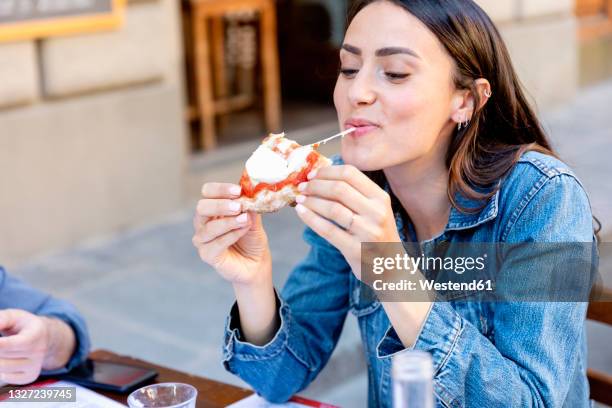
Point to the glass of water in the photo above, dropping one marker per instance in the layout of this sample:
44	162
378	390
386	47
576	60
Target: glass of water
412	373
164	395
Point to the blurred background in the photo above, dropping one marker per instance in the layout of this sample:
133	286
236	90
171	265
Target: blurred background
113	116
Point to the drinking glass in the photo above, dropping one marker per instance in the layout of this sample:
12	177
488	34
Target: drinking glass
164	395
412	373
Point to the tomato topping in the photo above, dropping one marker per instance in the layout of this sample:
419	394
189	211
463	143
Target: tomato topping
294	178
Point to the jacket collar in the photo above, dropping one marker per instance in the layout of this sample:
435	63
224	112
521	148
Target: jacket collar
457	220
460	221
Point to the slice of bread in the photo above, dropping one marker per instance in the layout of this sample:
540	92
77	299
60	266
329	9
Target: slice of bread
267	198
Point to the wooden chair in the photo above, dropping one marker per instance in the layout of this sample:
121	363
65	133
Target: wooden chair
210	72
600	310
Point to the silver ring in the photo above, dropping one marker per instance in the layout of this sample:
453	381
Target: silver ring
351	223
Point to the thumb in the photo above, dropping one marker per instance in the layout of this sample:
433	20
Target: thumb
255	239
257	230
256	223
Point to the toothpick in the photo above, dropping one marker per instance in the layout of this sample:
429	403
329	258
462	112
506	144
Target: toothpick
341	134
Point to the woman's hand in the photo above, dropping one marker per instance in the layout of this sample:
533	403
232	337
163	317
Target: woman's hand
232	242
236	245
348	197
32	343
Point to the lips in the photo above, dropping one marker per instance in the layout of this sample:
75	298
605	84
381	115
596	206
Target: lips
362	126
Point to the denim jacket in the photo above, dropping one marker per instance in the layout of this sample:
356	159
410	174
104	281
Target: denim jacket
519	354
15	294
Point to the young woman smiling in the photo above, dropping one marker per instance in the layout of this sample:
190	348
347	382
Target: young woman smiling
446	149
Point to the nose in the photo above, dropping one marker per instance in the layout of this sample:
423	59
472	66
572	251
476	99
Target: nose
361	92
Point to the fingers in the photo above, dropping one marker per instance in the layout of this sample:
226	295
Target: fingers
12	321
218	227
219	200
221	190
339	191
7	319
25	341
331	210
14	365
218	221
20	378
11	344
326	229
217	207
211	251
352	223
352	176
21	358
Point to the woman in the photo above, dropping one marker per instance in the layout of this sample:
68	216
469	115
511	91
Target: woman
38	333
452	152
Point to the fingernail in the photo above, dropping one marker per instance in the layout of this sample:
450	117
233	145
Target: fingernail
235	190
242	218
300	199
234	206
312	174
302	186
300	208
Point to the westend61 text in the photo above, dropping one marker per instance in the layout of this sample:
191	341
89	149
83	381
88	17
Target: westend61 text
431	285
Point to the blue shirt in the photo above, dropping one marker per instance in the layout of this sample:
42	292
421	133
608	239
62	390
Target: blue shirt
14	294
485	354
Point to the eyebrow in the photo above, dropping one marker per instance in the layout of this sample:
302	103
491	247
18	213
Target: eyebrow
382	52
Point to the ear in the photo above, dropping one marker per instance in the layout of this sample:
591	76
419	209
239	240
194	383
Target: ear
483	87
463	105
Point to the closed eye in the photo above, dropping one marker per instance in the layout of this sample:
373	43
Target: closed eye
348	72
396	75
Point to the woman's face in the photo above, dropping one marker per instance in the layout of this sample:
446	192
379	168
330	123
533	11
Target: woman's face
396	88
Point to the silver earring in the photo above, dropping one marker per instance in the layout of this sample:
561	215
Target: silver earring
463	124
488	93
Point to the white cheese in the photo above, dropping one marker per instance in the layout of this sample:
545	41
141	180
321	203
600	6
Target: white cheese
272	139
297	158
267	166
284	145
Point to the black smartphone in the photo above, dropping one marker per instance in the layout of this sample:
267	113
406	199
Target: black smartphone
107	376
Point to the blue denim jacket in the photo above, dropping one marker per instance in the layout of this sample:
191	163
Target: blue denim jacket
520	354
14	294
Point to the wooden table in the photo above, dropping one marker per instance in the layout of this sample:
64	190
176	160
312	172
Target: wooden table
210	393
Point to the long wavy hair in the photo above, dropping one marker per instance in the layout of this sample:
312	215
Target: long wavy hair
480	154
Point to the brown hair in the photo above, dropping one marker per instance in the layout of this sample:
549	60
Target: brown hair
480	154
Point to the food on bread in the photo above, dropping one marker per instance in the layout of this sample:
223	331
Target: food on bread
273	172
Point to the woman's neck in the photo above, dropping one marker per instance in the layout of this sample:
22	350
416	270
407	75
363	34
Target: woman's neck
421	187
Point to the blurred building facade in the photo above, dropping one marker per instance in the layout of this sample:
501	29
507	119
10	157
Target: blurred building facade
93	129
91	132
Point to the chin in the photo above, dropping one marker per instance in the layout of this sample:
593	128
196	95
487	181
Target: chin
362	160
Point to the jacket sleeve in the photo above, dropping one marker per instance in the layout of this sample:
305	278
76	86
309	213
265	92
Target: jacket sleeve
312	307
15	294
531	356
